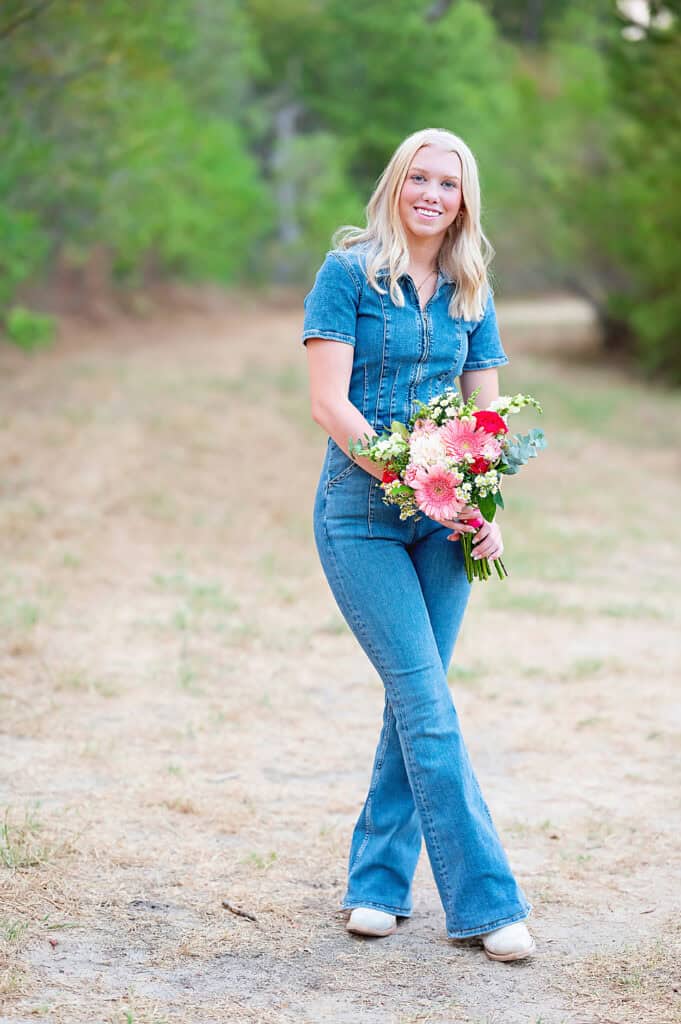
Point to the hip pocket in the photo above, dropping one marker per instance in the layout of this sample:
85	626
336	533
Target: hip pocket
339	466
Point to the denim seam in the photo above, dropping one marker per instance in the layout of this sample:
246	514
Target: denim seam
331	481
392	412
374	777
397	707
369	829
316	332
349	268
415	364
370	509
363	844
383	359
325	467
460	334
425	323
483	364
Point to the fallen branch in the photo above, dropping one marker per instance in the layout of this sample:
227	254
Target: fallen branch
239	913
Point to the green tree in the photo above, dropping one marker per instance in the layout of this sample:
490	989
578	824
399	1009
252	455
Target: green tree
647	75
601	171
123	135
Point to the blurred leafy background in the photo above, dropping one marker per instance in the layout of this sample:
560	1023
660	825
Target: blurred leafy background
227	139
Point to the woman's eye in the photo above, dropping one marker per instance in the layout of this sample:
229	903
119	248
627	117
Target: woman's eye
419	177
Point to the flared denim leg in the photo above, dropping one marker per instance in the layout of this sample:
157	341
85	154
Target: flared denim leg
387	837
372	562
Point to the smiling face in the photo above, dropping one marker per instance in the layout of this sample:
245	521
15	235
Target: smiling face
431	195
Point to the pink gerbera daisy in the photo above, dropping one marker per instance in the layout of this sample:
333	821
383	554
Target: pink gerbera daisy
435	492
461	438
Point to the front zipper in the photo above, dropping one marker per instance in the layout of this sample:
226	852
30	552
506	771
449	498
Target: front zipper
423	313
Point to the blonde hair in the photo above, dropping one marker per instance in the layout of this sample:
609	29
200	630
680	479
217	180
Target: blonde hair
465	252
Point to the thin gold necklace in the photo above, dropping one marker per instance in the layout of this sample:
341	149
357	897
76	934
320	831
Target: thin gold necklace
420	286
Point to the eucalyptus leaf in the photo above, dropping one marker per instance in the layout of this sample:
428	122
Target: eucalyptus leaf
399	428
487	507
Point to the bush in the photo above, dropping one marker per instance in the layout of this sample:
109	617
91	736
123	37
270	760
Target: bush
29	330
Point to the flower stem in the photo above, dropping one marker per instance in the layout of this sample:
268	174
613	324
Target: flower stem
467	560
479	568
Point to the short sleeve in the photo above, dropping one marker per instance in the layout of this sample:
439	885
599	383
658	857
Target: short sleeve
484	343
331	305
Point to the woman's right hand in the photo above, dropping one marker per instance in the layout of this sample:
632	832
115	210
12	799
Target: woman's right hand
459	525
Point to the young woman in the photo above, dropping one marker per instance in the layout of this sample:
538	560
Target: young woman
397	312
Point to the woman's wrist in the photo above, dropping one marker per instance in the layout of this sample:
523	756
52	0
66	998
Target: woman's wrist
374	469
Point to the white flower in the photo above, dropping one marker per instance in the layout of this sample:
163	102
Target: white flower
389	447
426	448
490	477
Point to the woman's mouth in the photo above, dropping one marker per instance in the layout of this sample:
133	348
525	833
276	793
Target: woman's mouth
426	212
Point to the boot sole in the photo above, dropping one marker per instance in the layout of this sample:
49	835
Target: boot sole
512	956
371	931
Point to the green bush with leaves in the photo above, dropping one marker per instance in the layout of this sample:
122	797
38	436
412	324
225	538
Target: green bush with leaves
29	330
24	245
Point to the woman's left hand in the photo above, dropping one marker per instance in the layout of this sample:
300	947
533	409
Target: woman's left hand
487	542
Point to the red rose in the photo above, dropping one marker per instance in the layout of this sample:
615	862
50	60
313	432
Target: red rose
491	422
480	465
389	476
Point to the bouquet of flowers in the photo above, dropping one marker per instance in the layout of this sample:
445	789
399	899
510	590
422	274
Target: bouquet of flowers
452	455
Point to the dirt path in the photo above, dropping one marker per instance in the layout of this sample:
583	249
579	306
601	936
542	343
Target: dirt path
186	720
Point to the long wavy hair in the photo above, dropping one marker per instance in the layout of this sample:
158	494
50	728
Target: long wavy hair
465	252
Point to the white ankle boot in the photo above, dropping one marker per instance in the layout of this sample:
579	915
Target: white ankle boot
366	921
512	942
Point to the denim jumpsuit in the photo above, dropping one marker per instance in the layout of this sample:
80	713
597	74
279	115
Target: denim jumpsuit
401	586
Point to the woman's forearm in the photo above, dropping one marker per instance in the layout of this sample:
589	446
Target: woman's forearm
486	380
342	420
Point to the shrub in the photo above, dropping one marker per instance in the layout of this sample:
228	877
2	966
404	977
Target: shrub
29	330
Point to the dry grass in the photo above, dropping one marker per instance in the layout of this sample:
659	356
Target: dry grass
639	983
187	720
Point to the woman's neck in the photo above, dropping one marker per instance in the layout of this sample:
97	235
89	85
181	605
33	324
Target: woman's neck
423	254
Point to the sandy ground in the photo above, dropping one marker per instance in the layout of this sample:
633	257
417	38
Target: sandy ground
186	720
